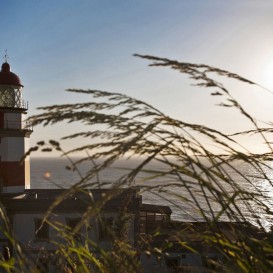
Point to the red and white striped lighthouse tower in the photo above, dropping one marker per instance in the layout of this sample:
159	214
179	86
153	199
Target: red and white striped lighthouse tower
14	133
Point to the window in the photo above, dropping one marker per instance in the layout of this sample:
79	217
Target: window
106	228
172	262
41	229
149	221
72	224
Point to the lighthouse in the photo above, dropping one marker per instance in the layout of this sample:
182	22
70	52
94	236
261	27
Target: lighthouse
14	133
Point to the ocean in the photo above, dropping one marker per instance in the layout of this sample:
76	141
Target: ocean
48	173
53	173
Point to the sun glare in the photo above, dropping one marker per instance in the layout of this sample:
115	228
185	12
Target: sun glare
47	175
266	73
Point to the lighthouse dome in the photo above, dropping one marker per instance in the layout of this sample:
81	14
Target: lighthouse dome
7	77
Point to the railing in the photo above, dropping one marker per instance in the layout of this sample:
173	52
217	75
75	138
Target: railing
19	103
11	125
27	125
23	104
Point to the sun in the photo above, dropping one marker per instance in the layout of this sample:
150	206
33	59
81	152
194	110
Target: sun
266	73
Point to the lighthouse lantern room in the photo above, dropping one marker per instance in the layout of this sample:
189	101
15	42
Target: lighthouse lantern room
14	133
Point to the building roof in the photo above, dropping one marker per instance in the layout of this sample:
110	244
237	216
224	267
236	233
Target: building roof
156	209
9	78
40	200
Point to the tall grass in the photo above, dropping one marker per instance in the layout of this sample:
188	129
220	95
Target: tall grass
202	178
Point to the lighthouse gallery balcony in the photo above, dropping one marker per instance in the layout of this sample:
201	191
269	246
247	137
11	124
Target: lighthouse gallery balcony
11	127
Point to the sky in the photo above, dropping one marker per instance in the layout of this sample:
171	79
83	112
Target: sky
54	45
